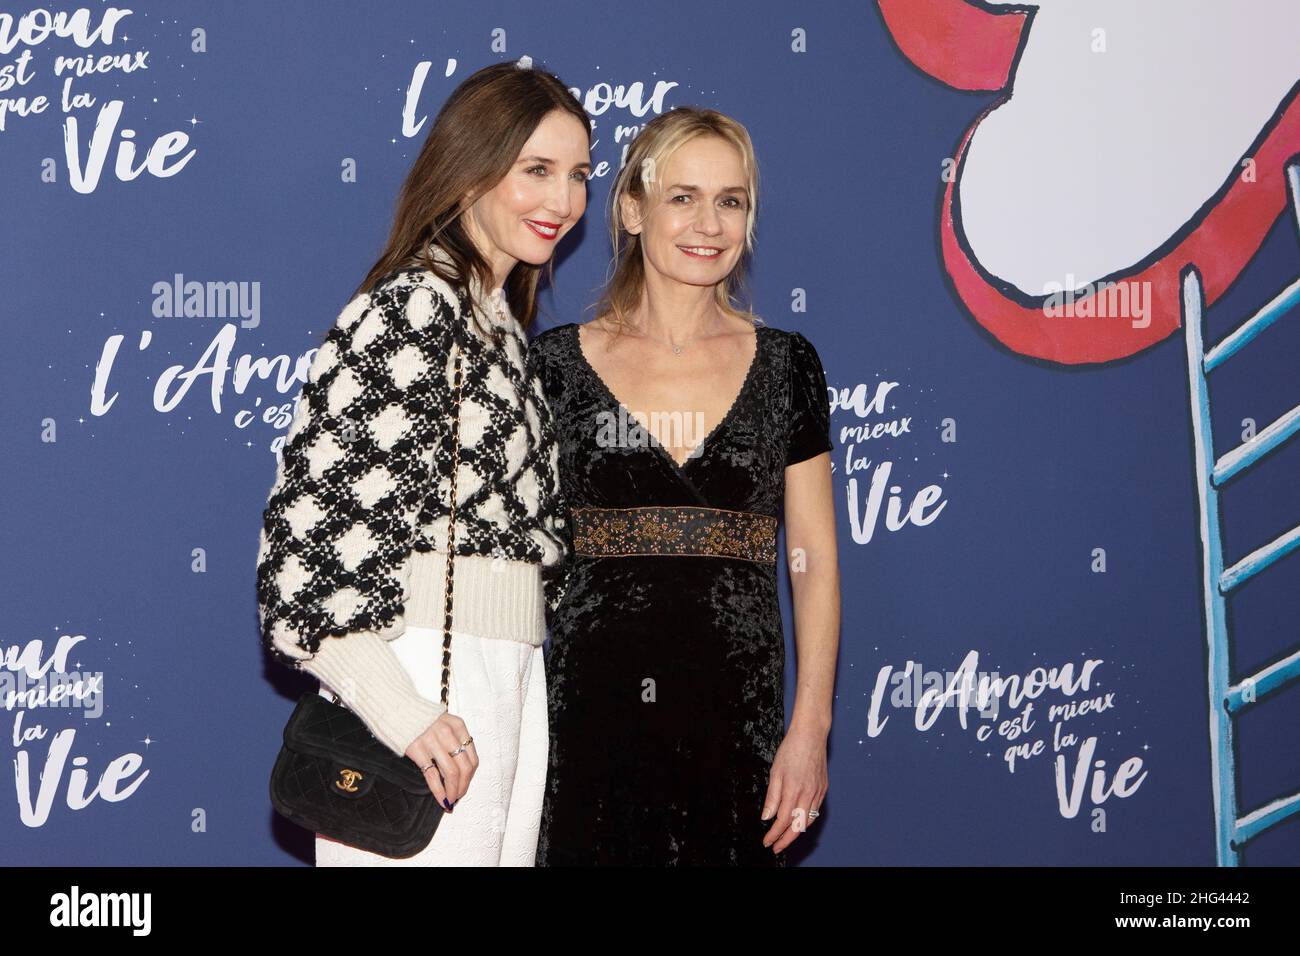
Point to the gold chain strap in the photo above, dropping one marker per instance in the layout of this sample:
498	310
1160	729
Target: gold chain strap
451	534
451	538
451	521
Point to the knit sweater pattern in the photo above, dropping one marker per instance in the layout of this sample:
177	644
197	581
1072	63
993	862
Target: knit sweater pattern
354	535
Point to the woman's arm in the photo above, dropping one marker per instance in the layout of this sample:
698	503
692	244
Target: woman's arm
363	670
333	570
799	779
813	561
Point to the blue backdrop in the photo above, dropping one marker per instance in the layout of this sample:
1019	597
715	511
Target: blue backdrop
141	443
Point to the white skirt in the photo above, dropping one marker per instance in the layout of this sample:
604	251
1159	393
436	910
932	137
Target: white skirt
498	687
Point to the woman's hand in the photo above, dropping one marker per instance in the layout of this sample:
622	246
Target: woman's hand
448	777
796	786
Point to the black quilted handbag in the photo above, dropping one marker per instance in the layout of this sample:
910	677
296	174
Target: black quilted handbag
334	776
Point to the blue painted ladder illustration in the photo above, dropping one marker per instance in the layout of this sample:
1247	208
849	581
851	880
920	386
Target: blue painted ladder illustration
1229	698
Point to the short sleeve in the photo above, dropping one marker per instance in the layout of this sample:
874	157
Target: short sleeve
810	417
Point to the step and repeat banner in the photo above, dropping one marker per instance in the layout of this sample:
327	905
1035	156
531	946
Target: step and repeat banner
1047	253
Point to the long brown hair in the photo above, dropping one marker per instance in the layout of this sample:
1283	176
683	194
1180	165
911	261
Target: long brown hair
471	146
641	179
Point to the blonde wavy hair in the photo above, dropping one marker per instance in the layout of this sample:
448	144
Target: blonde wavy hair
638	180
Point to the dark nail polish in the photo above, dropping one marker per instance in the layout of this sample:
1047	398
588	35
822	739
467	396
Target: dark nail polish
445	803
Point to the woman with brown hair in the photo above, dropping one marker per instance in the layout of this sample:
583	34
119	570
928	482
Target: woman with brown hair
687	428
353	552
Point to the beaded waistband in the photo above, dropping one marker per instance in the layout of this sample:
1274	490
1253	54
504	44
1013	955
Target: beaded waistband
674	529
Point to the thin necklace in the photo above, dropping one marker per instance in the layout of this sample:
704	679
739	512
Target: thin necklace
496	305
677	349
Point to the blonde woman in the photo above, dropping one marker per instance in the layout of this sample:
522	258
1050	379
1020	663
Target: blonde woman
353	551
687	430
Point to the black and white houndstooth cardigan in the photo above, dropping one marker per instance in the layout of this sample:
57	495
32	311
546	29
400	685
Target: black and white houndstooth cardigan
361	494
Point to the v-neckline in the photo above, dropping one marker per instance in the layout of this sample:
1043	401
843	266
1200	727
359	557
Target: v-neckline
703	445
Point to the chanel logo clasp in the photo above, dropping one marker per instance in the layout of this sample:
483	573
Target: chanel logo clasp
348	779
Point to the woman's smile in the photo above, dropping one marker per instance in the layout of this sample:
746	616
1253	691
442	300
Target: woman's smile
547	230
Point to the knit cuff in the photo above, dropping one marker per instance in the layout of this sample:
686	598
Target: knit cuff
367	675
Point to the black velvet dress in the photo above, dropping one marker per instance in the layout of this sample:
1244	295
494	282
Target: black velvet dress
666	670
